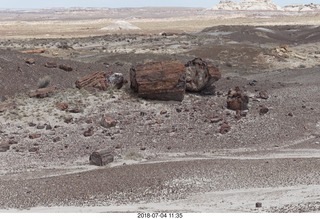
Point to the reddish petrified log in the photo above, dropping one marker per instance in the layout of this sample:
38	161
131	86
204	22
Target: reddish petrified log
95	79
43	92
159	80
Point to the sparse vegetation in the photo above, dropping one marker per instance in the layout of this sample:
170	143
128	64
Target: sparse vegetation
44	82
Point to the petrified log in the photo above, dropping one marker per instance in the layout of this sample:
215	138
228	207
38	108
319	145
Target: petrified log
159	80
237	100
95	79
42	92
200	77
66	67
101	157
34	51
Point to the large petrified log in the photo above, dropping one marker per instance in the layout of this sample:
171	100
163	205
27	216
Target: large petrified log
95	79
102	157
159	80
200	76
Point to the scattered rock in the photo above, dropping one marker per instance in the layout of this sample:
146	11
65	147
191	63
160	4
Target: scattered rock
40	126
108	122
62	106
162	112
89	132
12	141
143	148
237	100
75	110
216	119
253	83
4	146
159	80
31	124
224	128
102	157
33	149
263	110
56	139
263	95
48	127
30	61
34	136
290	114
258	205
66	67
51	65
68	119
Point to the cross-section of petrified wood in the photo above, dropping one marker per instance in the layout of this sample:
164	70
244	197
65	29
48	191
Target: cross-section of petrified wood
159	80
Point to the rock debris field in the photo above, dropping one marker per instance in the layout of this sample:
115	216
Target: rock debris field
221	120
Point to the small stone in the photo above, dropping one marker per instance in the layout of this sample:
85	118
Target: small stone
263	95
143	148
33	149
290	114
48	127
12	141
75	110
4	146
31	124
178	110
216	120
51	65
89	132
225	128
108	122
34	136
30	61
68	119
56	139
162	112
40	126
258	205
263	110
62	106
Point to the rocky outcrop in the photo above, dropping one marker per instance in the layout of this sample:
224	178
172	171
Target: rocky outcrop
159	80
252	5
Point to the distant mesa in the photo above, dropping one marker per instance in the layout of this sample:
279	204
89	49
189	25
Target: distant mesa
252	5
262	5
120	25
303	8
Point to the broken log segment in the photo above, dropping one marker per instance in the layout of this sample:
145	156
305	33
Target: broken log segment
159	80
34	51
43	92
102	157
95	79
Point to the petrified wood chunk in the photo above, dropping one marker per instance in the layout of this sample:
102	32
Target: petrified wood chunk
200	76
101	157
42	92
95	79
159	80
237	100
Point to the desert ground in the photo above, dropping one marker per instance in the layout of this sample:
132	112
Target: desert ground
169	156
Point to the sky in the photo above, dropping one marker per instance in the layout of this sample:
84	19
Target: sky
27	4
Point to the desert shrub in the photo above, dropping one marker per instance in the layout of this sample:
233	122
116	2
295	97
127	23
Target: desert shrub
44	82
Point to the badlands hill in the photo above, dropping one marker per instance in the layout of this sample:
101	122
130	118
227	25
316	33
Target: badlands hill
255	5
263	5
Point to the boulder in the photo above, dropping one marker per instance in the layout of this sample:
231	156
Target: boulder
159	80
